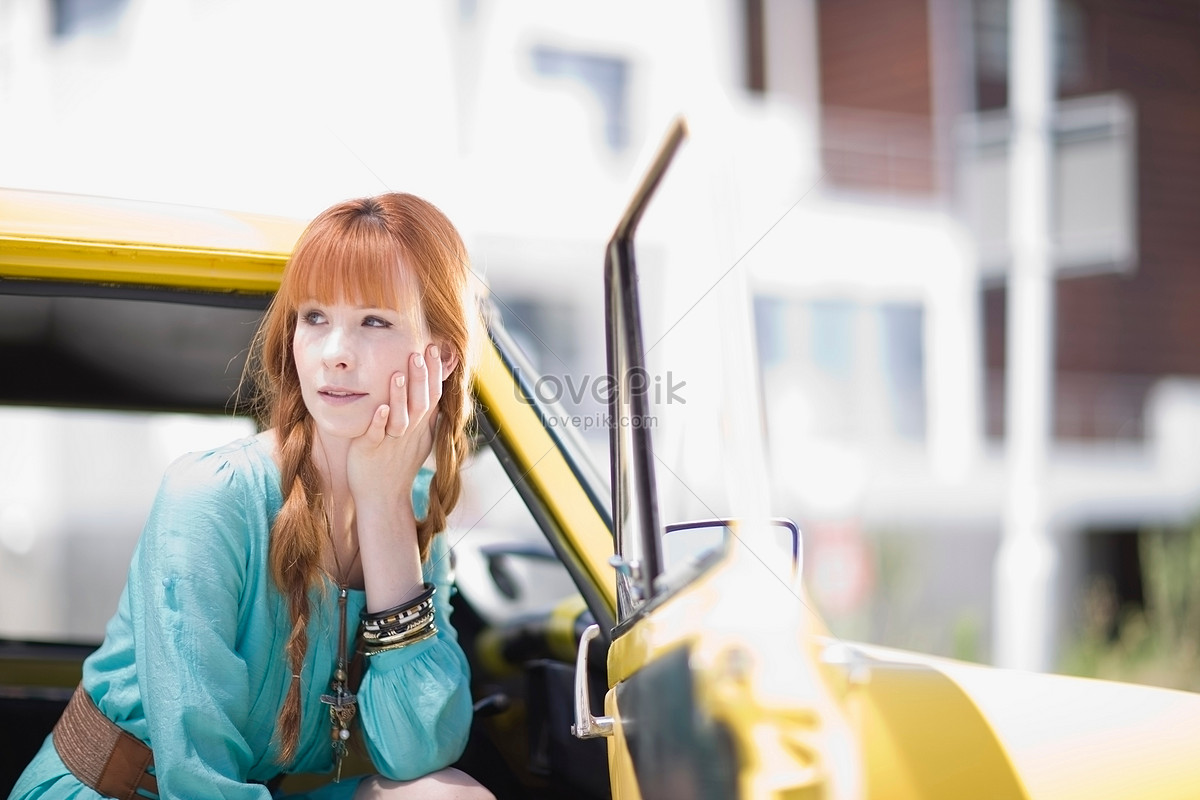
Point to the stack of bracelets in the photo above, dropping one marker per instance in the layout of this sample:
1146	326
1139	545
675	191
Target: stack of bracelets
400	626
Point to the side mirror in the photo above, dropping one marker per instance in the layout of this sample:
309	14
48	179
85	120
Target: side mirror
498	557
708	536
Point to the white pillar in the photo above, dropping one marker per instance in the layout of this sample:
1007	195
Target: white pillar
1026	563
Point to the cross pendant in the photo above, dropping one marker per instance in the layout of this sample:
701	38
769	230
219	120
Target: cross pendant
342	706
341	703
339	699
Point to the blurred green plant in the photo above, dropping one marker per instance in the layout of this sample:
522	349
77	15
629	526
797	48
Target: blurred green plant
967	637
1158	644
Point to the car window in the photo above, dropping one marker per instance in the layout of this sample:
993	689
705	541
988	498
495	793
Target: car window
123	352
504	567
75	489
690	451
100	394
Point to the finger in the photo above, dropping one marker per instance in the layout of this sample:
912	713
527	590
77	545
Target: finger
434	361
436	376
378	426
418	387
398	403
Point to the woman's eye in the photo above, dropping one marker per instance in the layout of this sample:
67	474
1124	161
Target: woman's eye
312	317
376	322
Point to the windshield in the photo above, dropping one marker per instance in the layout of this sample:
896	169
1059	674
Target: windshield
554	417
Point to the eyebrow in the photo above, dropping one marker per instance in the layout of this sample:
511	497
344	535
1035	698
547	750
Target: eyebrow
311	302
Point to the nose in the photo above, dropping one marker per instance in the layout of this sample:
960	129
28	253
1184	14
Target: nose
337	352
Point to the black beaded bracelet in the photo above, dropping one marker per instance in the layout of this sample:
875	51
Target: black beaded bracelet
414	612
385	617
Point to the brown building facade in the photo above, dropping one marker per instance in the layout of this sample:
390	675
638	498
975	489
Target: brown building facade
894	75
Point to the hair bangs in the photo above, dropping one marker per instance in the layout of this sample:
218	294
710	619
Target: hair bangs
352	260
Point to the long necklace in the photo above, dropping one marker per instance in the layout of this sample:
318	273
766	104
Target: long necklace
341	701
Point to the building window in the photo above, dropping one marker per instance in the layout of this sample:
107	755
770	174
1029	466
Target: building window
72	17
992	40
842	369
756	47
831	332
902	350
606	77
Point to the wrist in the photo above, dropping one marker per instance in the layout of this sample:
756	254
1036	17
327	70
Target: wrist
394	514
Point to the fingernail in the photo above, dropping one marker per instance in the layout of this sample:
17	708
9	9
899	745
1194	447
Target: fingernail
420	362
433	352
399	381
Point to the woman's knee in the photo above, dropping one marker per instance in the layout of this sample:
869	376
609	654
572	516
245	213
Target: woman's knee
446	784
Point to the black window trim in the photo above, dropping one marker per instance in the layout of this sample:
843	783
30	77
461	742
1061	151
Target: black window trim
626	354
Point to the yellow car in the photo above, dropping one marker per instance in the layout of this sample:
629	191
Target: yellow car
643	675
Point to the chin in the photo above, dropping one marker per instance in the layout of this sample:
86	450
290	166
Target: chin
341	428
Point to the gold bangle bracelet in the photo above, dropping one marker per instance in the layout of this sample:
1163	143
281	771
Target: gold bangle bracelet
406	637
374	651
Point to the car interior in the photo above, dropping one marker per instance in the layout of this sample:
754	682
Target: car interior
104	387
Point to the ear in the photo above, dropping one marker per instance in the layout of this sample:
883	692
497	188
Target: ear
449	359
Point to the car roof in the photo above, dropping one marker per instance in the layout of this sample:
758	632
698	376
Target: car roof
52	237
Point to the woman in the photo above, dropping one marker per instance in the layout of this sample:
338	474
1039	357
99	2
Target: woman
230	656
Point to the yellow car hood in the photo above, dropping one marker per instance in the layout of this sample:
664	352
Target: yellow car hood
941	728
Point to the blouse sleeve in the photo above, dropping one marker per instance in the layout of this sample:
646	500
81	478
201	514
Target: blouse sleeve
185	580
416	701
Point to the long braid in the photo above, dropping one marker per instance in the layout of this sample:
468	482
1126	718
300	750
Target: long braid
449	447
297	532
295	556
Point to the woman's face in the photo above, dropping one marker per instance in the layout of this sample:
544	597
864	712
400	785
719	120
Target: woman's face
346	355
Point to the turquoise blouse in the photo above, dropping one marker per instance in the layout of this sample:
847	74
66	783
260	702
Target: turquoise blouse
193	663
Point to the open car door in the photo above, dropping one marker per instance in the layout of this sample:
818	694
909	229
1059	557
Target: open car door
724	684
710	690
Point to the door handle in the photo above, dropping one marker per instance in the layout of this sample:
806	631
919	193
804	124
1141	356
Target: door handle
586	726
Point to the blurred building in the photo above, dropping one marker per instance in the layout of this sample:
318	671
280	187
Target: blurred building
868	204
912	115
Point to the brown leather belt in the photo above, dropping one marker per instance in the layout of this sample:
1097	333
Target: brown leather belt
99	753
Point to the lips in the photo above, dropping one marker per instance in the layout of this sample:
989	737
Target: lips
338	395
